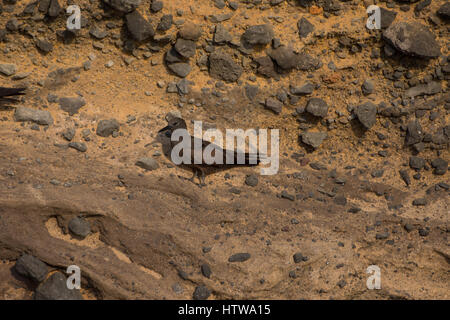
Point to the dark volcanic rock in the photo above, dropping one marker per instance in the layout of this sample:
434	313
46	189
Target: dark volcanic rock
387	17
98	33
55	288
186	48
44	45
299	257
440	166
165	23
31	267
71	104
173	56
239	257
79	227
274	105
54	9
416	162
206	270
304	27
313	139
367	87
139	28
201	293
44	5
251	180
41	117
305	62
105	128
429	88
412	39
221	35
284	57
367	114
156	6
266	67
317	107
405	177
222	66
125	6
419	202
181	69
255	35
414	133
307	88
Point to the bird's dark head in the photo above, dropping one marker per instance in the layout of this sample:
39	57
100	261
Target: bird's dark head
174	123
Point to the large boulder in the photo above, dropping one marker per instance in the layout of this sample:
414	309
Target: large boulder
412	39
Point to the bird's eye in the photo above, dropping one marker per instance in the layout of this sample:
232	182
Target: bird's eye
168	134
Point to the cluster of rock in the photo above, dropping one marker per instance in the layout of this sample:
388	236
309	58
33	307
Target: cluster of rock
53	287
177	58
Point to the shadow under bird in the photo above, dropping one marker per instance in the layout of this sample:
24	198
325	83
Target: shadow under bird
203	169
9	95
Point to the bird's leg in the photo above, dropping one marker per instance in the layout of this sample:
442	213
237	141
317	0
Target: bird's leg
202	177
194	174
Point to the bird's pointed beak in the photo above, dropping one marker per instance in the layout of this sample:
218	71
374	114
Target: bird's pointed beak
164	129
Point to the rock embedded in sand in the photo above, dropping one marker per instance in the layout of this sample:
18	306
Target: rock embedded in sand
317	107
284	57
55	288
181	69
54	9
304	27
41	117
429	88
440	166
165	23
186	48
44	45
79	227
239	257
201	293
190	31
299	257
125	6
414	133
71	104
79	146
313	139
138	26
8	69
156	5
367	114
31	267
274	105
105	128
412	39
257	35
147	163
222	66
305	89
251	180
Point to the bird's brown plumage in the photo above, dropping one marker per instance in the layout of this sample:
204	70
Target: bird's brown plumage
174	123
